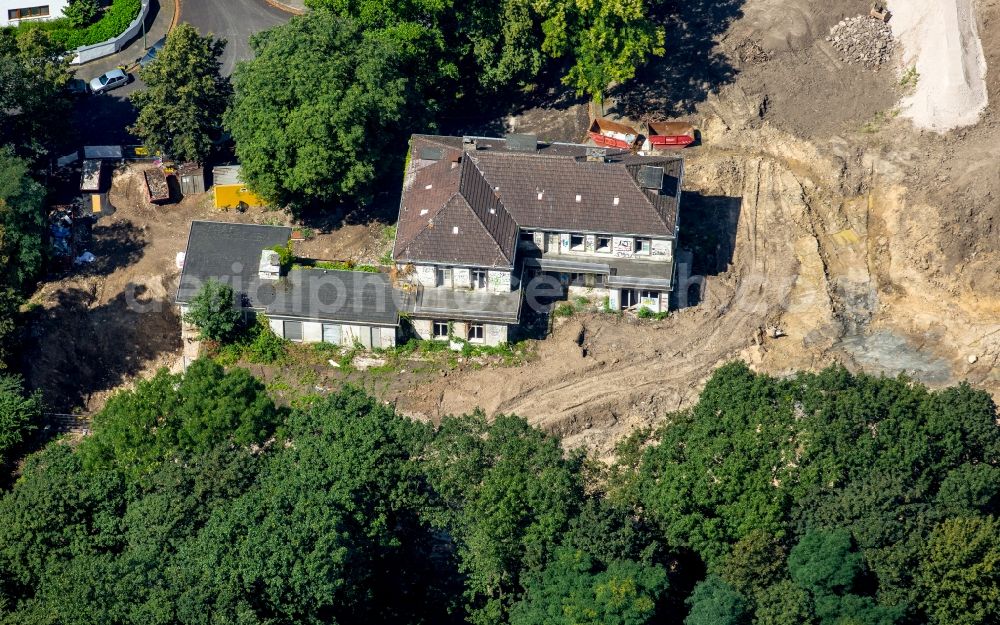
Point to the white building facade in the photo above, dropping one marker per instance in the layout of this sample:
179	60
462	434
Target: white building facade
13	12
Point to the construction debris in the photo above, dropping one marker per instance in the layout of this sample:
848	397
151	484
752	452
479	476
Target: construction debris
862	40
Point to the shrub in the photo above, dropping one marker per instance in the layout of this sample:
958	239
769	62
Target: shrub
81	12
113	22
264	347
645	313
215	313
285	256
564	310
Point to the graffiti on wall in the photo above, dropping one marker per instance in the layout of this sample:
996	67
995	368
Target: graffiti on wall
623	247
461	277
660	248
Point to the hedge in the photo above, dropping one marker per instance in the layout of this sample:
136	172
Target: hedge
113	22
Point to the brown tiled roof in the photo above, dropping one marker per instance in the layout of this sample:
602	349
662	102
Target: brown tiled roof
450	214
498	191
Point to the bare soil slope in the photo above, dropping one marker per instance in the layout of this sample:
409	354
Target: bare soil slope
810	207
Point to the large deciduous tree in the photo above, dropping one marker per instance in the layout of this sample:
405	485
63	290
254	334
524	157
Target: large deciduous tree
506	494
325	106
959	577
606	41
20	413
180	110
34	104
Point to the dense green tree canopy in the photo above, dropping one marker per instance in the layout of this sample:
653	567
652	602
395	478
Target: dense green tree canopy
197	500
325	106
180	110
34	104
20	413
22	222
506	495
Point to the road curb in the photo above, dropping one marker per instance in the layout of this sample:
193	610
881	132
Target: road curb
284	7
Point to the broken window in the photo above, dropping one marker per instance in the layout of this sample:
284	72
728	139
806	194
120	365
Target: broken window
440	329
443	276
527	236
628	298
293	330
642	246
604	244
576	242
479	278
475	332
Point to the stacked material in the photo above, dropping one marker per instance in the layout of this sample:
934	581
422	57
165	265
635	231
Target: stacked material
862	40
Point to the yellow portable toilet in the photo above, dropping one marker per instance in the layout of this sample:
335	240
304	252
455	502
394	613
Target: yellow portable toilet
228	188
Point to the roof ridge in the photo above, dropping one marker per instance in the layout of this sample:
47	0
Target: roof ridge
426	228
482	177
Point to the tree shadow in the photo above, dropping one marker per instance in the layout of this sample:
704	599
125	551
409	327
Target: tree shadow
102	119
690	69
76	350
113	245
486	113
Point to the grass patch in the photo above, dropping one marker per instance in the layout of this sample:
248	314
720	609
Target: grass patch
333	265
909	78
388	239
112	23
880	119
568	309
645	313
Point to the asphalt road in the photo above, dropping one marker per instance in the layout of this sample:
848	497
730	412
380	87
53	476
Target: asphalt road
103	119
233	20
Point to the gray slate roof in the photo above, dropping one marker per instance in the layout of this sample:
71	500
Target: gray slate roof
229	253
490	191
343	296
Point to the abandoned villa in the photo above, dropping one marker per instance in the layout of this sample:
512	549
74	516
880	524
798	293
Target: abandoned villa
487	228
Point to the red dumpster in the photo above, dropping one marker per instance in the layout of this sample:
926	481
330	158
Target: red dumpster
607	133
669	134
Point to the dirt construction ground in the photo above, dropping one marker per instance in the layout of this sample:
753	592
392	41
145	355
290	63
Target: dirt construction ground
812	211
810	208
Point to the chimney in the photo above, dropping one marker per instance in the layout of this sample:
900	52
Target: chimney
270	265
596	155
469	144
521	142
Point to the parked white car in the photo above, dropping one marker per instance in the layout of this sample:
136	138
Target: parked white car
108	81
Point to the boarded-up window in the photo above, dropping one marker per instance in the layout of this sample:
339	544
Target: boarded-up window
293	330
331	333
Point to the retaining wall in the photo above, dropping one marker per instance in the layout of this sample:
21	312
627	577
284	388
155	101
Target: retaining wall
85	54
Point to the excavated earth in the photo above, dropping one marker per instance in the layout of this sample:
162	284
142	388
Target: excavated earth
826	228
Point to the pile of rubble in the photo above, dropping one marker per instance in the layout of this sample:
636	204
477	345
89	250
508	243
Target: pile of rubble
863	40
